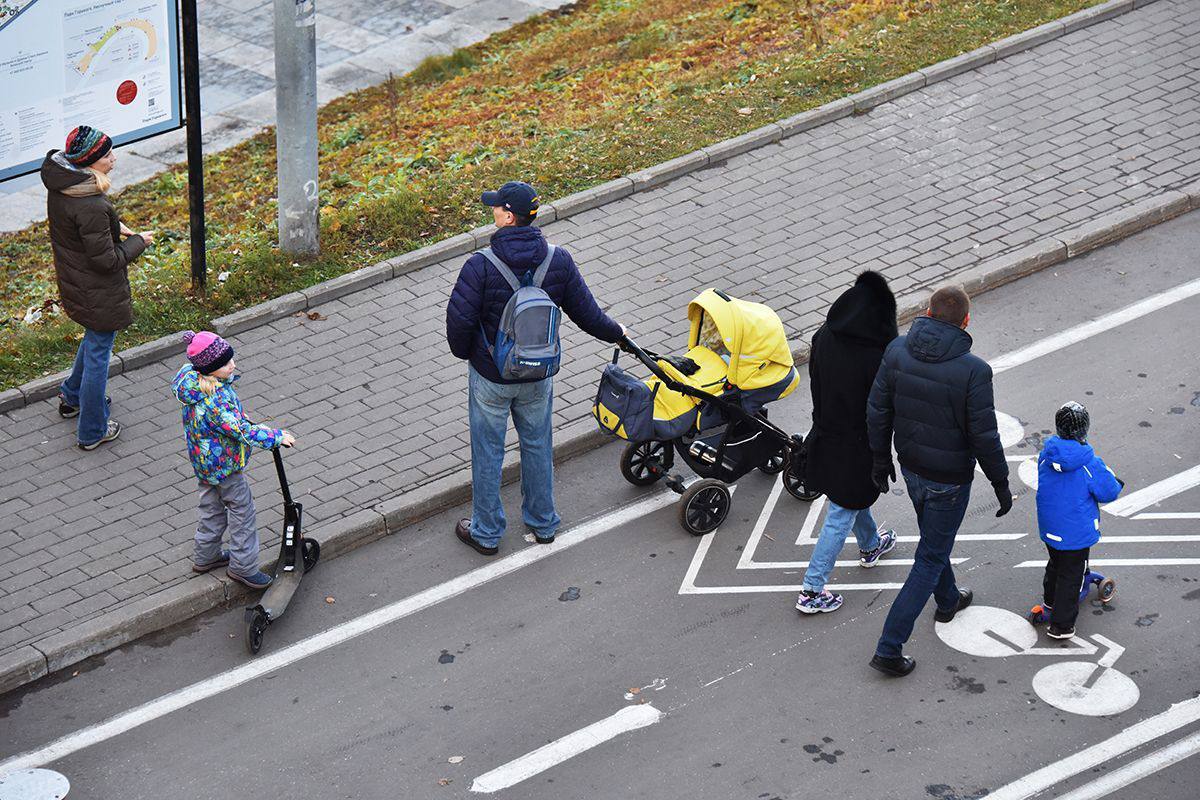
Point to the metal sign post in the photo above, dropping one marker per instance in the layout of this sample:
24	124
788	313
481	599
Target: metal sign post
195	148
296	125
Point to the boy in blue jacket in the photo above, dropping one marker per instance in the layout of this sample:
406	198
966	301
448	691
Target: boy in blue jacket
1072	482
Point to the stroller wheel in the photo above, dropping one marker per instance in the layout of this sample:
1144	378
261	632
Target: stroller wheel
644	463
704	506
795	485
774	465
1107	590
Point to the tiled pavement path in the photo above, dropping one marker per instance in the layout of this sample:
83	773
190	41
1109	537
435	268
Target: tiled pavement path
919	188
358	43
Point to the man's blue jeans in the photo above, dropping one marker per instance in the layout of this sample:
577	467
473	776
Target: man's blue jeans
532	409
838	524
940	509
86	386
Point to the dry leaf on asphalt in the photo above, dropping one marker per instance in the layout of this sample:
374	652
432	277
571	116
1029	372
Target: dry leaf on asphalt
444	781
330	600
635	691
455	759
316	316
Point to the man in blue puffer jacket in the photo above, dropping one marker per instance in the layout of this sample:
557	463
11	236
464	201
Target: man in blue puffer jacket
935	396
472	321
1072	482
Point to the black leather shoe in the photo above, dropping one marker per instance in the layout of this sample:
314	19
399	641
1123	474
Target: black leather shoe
463	531
896	667
965	596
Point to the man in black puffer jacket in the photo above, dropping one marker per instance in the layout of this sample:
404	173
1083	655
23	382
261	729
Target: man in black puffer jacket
472	320
936	397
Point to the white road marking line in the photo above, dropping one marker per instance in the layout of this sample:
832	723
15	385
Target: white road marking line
808	529
1168	515
760	526
1134	772
1126	562
783	588
1167	537
627	719
884	562
1097	326
1154	493
264	665
1175	717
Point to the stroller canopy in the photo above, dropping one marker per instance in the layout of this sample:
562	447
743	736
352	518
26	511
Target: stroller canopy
753	335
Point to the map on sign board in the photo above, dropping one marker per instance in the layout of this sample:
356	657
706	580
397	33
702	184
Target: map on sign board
111	64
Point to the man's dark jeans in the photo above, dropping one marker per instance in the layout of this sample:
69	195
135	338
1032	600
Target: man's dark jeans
940	509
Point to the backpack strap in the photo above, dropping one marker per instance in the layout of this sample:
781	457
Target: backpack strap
543	267
504	270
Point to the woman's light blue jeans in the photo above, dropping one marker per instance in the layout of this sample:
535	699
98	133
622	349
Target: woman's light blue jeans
86	386
838	524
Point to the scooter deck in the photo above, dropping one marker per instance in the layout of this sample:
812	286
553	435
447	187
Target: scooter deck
275	600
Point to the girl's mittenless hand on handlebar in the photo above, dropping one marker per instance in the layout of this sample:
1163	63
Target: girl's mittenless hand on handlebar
287	440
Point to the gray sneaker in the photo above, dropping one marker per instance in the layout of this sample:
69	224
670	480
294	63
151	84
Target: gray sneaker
114	430
887	543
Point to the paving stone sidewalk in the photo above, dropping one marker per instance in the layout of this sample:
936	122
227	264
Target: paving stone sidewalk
358	43
921	189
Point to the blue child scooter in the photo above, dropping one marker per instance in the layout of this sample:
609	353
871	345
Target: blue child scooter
1106	590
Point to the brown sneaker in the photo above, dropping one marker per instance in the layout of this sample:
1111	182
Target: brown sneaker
463	531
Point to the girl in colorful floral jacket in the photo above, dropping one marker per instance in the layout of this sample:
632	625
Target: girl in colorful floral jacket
219	438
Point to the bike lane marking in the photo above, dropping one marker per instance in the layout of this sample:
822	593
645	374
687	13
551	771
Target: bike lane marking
331	637
629	718
1142	768
1136	735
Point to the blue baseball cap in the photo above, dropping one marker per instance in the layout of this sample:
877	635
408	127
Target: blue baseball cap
515	196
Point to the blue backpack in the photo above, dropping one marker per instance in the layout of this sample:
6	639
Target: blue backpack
527	346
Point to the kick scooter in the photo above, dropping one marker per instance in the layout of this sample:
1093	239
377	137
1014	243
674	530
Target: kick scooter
297	555
1106	590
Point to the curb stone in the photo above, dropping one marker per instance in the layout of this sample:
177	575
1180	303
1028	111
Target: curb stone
204	593
649	178
387	518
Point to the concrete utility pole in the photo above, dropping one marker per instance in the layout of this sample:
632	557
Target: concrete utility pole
296	125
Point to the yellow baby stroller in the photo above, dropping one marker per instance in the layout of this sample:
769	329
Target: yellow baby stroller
708	406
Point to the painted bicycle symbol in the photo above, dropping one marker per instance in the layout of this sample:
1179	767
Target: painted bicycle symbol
1094	689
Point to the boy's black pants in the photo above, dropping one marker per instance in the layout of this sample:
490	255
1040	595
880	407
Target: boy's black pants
1062	584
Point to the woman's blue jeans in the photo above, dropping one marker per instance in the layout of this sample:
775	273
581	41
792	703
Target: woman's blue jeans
86	387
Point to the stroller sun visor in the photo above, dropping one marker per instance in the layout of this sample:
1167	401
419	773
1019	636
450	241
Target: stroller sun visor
759	356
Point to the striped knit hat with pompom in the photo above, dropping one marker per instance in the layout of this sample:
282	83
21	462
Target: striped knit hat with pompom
86	146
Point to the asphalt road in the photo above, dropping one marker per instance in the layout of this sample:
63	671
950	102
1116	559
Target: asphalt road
737	695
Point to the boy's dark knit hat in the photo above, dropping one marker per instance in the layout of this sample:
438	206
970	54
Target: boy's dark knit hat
1072	422
86	145
207	351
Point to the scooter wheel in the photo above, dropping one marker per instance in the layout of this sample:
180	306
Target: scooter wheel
1107	590
312	554
255	629
704	506
645	463
794	484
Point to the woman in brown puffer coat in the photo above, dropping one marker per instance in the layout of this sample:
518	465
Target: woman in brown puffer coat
91	263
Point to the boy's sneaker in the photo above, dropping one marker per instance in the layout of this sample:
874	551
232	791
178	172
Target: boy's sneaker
221	560
1055	632
70	412
114	430
259	580
818	602
887	543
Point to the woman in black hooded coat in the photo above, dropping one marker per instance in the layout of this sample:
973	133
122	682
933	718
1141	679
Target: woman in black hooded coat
846	352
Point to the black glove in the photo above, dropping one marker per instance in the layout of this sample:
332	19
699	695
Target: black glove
684	364
881	471
1004	496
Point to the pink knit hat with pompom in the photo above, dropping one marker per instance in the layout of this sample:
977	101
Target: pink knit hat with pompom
207	351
